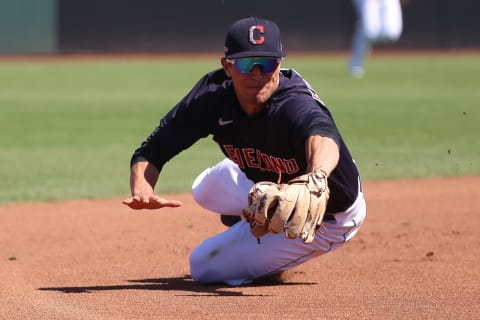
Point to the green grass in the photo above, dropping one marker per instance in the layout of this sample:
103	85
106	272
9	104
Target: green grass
412	116
68	129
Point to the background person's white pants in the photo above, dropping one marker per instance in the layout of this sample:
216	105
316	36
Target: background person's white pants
234	256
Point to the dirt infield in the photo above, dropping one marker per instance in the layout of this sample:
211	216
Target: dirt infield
416	257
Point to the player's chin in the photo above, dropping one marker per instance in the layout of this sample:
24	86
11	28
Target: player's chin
262	97
258	95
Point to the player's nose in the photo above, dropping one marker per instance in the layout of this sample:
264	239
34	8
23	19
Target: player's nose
256	71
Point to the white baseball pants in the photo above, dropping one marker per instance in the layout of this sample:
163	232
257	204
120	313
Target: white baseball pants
234	256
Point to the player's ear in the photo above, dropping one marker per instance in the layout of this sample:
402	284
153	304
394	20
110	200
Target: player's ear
226	66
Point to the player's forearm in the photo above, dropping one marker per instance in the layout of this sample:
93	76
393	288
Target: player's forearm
143	177
322	154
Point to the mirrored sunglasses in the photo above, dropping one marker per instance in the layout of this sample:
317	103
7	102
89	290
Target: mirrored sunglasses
246	65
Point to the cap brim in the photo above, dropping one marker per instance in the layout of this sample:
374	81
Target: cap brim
247	54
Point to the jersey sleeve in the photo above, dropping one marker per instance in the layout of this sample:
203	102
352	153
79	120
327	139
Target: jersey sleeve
309	117
182	126
322	126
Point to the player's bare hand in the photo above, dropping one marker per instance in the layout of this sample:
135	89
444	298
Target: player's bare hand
151	202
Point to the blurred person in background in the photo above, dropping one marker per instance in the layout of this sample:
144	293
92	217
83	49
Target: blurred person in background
378	22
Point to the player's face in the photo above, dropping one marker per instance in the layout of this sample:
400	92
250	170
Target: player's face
254	81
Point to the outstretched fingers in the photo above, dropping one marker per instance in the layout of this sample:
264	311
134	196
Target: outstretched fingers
151	202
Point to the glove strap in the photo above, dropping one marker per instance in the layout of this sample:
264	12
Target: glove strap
319	172
317	177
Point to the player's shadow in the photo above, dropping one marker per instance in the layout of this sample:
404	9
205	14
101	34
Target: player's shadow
184	283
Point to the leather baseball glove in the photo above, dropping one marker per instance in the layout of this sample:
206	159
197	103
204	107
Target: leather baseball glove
297	208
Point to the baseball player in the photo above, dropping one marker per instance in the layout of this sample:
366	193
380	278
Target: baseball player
378	21
271	126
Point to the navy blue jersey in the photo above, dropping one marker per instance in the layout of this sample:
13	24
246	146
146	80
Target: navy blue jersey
262	145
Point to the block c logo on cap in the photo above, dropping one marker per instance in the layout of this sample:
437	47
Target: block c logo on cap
251	35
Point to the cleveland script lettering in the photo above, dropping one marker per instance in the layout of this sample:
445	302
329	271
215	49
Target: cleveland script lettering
254	158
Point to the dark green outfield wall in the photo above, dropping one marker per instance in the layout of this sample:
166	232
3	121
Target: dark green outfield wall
28	26
72	26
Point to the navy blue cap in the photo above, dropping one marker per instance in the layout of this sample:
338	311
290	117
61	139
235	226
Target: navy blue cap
253	37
